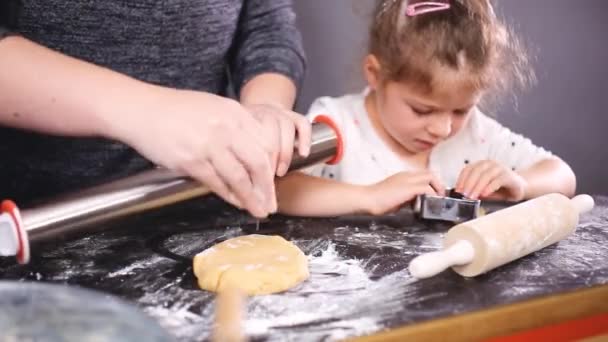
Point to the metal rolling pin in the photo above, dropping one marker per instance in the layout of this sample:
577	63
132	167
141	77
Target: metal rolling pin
151	189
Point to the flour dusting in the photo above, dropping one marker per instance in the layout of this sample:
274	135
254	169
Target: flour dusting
339	300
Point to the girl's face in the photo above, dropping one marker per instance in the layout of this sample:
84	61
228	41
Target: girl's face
419	120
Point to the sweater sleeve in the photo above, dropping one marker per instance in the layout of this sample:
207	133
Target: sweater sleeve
9	13
267	40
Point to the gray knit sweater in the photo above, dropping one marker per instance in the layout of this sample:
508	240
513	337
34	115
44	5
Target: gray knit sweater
190	44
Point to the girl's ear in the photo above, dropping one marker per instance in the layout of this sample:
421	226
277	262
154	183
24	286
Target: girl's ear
371	70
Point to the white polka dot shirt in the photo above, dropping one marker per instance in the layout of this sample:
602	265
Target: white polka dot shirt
367	159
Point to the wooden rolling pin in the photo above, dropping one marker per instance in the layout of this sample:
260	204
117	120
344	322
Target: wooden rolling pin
480	245
229	316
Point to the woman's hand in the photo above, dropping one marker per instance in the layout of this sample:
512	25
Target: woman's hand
393	192
212	139
488	179
280	126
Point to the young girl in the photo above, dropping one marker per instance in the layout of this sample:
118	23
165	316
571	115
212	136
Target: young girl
416	128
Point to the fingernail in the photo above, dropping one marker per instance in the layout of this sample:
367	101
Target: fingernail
305	152
232	199
262	214
259	213
272	203
283	167
275	207
259	210
263	203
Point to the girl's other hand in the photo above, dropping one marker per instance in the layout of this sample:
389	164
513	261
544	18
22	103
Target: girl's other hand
488	179
393	192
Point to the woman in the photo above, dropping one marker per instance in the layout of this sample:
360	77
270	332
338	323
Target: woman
94	90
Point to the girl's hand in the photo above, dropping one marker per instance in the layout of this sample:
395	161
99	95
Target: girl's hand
210	138
393	192
488	179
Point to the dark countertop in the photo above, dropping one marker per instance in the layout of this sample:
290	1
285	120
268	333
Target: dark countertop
359	281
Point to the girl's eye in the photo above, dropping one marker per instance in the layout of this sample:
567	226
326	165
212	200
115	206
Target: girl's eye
461	112
419	111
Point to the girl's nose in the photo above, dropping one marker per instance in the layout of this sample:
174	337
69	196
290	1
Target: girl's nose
440	125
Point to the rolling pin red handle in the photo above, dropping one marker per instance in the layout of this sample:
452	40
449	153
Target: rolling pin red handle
431	264
14	237
324	119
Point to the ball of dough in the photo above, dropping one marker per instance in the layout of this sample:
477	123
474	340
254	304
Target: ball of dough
255	264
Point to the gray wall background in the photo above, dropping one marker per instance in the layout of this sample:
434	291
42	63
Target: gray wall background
567	110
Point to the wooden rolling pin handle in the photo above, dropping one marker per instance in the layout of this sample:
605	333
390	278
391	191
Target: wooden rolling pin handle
583	203
229	316
431	264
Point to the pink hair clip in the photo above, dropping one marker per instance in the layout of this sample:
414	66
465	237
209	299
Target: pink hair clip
425	7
